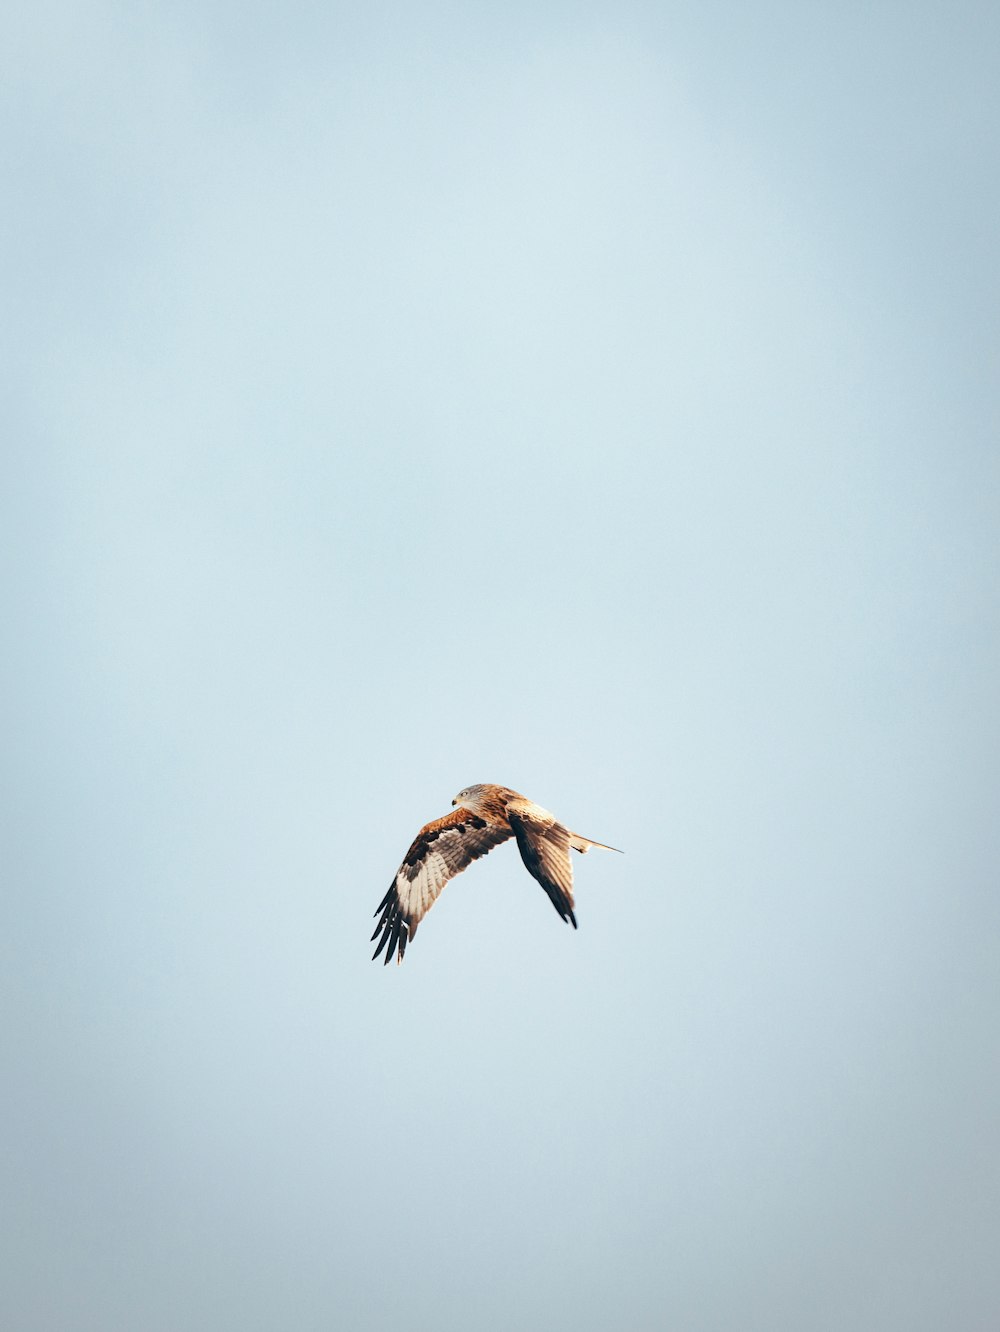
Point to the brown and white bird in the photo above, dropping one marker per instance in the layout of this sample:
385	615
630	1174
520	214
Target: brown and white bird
486	816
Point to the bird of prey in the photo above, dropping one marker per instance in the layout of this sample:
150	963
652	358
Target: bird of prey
486	815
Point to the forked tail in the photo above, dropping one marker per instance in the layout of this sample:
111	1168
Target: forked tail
583	844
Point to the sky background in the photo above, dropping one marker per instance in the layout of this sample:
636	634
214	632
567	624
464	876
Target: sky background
596	399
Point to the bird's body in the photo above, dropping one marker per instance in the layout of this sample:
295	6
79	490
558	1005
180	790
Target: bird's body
486	815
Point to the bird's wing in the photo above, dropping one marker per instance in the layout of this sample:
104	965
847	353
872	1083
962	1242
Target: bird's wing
544	846
440	850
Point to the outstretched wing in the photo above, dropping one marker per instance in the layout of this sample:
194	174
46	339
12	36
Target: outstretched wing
440	850
544	846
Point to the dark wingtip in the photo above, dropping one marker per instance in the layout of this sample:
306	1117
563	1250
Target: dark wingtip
381	943
392	926
395	933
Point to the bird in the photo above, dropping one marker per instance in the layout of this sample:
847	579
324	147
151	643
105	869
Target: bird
484	816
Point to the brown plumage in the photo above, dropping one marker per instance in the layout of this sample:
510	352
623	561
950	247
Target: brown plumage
486	816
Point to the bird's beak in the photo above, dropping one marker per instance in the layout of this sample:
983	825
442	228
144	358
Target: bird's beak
454	802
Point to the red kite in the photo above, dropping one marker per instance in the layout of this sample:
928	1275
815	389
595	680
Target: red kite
486	816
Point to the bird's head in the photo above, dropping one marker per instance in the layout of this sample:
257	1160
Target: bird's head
470	797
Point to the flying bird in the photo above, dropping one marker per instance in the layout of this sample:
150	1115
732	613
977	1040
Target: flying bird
485	816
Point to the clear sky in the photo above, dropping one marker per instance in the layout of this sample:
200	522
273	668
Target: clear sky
596	399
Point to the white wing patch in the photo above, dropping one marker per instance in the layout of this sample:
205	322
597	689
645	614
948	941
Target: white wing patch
440	850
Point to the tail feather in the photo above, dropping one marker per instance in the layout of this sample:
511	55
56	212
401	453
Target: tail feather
583	844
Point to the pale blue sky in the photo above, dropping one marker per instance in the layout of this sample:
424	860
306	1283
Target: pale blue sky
600	400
